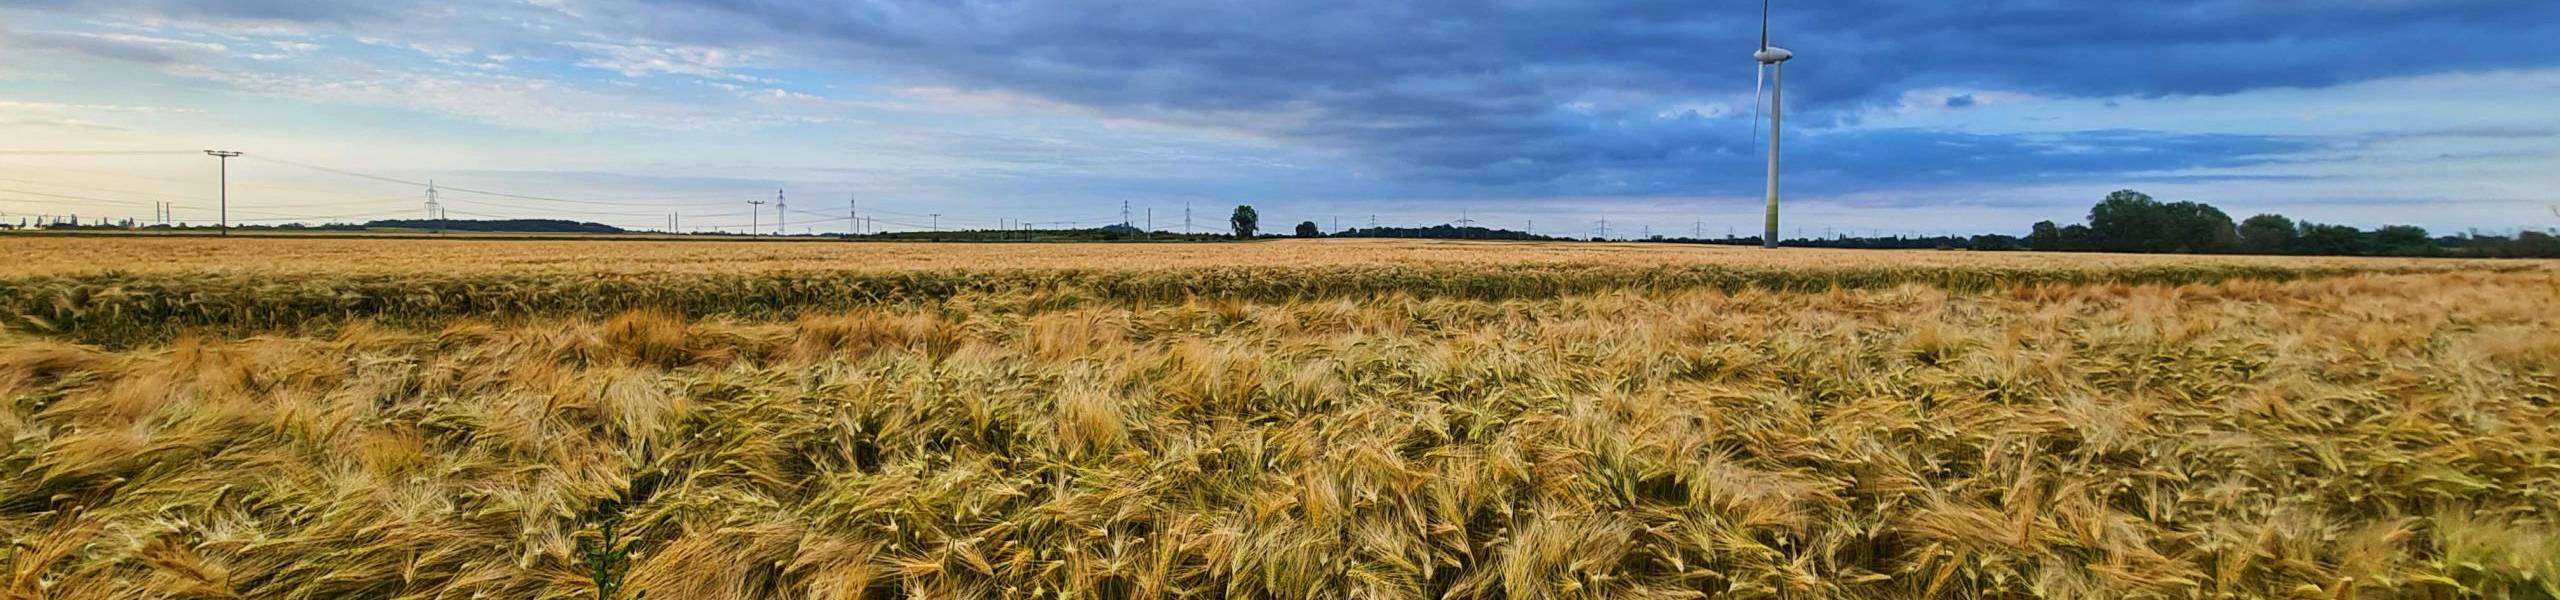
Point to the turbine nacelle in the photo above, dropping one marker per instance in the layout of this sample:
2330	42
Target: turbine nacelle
1772	55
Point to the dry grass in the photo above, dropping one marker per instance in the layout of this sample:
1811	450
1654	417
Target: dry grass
2349	435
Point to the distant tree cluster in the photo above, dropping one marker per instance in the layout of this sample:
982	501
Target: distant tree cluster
2131	221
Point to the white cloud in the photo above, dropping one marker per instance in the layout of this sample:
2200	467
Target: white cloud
633	60
512	101
1699	110
58	108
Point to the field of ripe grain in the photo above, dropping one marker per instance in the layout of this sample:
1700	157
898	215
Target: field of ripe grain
76	255
126	291
1387	420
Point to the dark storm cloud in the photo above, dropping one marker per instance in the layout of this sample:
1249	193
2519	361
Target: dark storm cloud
1225	55
1569	96
1474	91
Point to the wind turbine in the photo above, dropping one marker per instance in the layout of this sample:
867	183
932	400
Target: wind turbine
1773	61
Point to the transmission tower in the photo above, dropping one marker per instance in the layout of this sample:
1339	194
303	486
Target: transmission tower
1603	228
433	224
781	215
852	213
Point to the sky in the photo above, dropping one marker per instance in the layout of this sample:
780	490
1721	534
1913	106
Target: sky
1962	117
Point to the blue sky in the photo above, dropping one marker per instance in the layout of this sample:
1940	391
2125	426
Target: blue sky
1904	117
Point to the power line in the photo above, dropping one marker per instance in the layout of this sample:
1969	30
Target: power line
448	188
443	196
96	152
69	197
95	188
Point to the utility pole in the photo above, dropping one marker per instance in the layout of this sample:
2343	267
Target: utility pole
937	222
1531	228
433	224
756	210
224	156
781	215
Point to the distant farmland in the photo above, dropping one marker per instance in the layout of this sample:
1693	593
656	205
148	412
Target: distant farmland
321	418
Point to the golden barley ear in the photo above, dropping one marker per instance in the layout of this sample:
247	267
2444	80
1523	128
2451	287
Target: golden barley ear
653	337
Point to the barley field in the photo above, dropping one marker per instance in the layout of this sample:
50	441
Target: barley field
195	418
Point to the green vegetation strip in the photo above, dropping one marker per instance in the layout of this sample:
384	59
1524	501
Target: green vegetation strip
123	309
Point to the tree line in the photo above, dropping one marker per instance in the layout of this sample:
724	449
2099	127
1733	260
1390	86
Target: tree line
2125	221
2131	221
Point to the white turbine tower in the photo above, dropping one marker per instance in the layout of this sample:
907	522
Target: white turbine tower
1773	61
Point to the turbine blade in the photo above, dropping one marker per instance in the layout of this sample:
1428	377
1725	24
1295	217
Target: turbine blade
1759	79
1764	24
